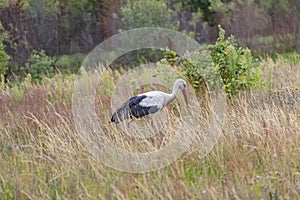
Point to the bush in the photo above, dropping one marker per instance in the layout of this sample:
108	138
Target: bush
4	58
39	64
148	13
235	64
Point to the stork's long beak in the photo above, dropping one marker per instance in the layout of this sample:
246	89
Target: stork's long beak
184	92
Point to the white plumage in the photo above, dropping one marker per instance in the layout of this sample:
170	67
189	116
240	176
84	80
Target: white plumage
154	98
148	103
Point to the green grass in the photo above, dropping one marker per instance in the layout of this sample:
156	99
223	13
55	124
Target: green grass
256	157
292	58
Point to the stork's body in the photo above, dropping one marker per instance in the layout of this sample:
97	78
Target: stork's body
148	103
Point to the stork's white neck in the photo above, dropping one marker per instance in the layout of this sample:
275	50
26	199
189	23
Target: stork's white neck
174	93
175	90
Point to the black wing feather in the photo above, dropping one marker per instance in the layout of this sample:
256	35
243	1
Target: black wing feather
131	108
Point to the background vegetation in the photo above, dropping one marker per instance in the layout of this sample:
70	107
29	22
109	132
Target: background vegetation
72	27
255	47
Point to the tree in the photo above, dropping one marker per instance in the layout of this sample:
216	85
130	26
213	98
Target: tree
15	20
4	58
110	17
146	13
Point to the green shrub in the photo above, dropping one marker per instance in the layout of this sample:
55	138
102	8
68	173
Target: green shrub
39	64
4	58
235	64
148	13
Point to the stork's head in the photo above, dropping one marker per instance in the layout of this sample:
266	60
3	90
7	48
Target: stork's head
181	85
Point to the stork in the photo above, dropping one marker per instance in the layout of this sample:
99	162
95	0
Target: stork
148	103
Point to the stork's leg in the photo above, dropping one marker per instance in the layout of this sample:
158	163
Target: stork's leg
128	124
152	123
157	138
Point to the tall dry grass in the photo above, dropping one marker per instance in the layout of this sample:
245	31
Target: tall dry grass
256	157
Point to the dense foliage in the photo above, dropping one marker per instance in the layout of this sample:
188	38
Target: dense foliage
226	59
235	64
72	27
38	65
3	55
141	13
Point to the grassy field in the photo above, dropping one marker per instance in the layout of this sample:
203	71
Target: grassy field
256	157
